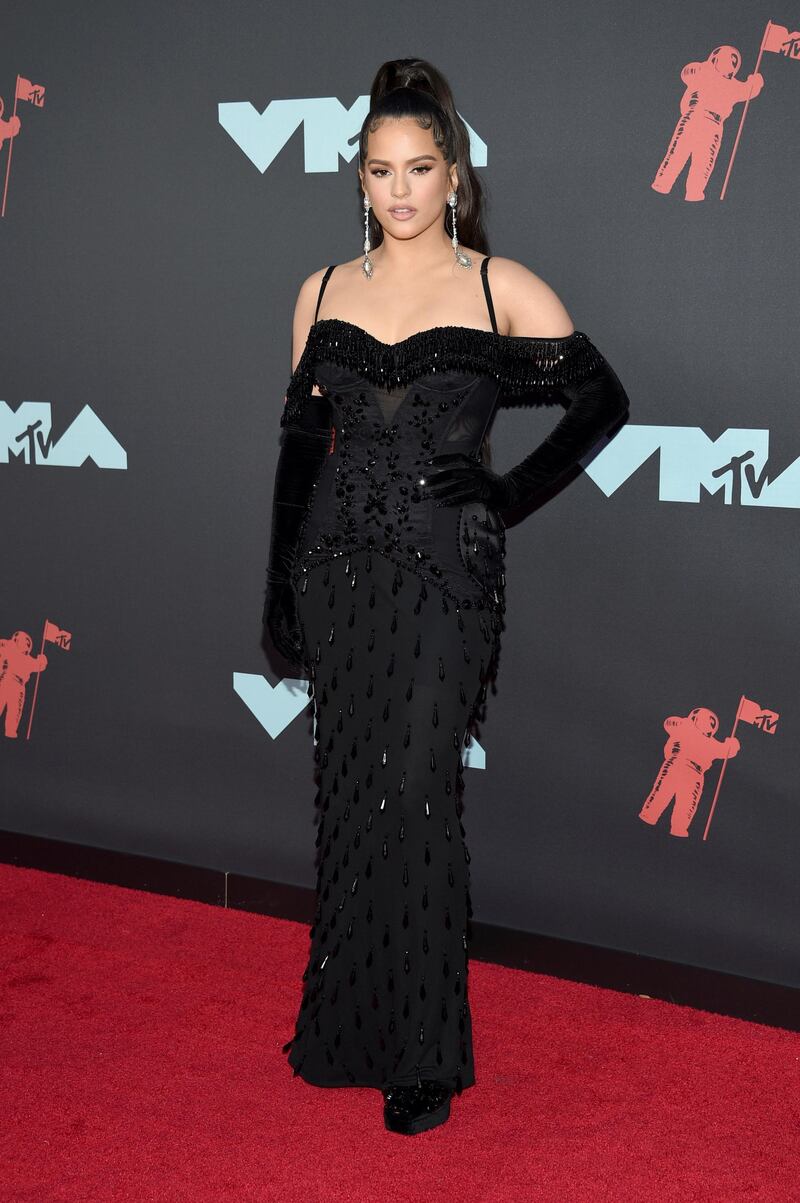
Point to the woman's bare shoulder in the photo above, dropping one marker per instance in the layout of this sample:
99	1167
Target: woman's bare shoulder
308	291
527	306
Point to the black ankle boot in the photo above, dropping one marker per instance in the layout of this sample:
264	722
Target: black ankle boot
412	1109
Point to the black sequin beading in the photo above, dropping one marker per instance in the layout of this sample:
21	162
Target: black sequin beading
393	406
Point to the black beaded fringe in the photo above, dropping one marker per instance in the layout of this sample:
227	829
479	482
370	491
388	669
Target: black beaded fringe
521	365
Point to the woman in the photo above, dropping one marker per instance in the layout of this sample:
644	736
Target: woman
386	582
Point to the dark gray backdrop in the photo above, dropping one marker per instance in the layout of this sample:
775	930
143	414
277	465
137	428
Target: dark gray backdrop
150	271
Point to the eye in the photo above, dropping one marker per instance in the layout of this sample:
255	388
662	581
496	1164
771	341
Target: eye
422	167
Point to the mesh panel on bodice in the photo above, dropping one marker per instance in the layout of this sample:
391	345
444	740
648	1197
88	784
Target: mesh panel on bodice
389	401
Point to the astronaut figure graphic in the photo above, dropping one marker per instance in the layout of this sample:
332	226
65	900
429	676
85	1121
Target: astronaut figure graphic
711	92
16	666
690	749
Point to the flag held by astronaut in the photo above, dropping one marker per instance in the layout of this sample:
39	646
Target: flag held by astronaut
32	92
778	39
54	634
751	712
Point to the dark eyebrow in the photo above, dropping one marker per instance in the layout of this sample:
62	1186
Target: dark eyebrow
386	162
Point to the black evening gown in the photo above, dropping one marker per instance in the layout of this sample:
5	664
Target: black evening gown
401	604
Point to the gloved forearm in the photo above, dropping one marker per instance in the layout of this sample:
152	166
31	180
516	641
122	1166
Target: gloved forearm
595	401
300	460
593	407
306	443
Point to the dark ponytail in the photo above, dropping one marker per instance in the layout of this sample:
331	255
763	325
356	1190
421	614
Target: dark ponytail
412	87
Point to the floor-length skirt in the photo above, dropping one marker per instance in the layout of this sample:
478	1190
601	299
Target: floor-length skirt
397	672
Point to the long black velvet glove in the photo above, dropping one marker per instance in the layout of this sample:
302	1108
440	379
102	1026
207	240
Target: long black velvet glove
305	445
593	407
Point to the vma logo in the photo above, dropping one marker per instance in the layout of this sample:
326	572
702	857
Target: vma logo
329	130
26	434
736	463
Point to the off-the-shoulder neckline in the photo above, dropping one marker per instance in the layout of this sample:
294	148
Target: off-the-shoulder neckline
475	330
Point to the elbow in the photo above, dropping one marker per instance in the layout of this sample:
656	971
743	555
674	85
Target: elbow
607	395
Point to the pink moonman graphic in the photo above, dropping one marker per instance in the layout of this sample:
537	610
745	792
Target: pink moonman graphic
16	666
689	751
711	92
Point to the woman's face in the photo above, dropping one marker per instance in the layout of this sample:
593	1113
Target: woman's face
405	170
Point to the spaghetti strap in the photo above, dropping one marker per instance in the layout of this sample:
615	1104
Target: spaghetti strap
485	278
325	279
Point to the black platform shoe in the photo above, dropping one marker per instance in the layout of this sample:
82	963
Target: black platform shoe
412	1109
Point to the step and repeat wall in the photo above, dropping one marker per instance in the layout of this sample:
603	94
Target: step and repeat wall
170	175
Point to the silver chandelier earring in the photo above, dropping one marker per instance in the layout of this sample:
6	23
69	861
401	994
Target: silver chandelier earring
367	266
461	256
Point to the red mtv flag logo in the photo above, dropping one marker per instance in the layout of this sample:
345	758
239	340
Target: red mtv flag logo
778	40
751	712
54	634
32	92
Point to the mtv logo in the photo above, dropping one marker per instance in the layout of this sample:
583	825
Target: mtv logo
26	434
691	465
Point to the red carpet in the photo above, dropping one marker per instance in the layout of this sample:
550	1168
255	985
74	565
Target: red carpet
141	1062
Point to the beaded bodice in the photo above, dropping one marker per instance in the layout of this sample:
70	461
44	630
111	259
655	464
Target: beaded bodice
532	367
392	406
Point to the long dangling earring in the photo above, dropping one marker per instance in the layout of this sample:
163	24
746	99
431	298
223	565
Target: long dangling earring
367	266
461	256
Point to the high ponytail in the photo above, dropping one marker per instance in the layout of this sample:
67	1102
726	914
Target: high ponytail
412	87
